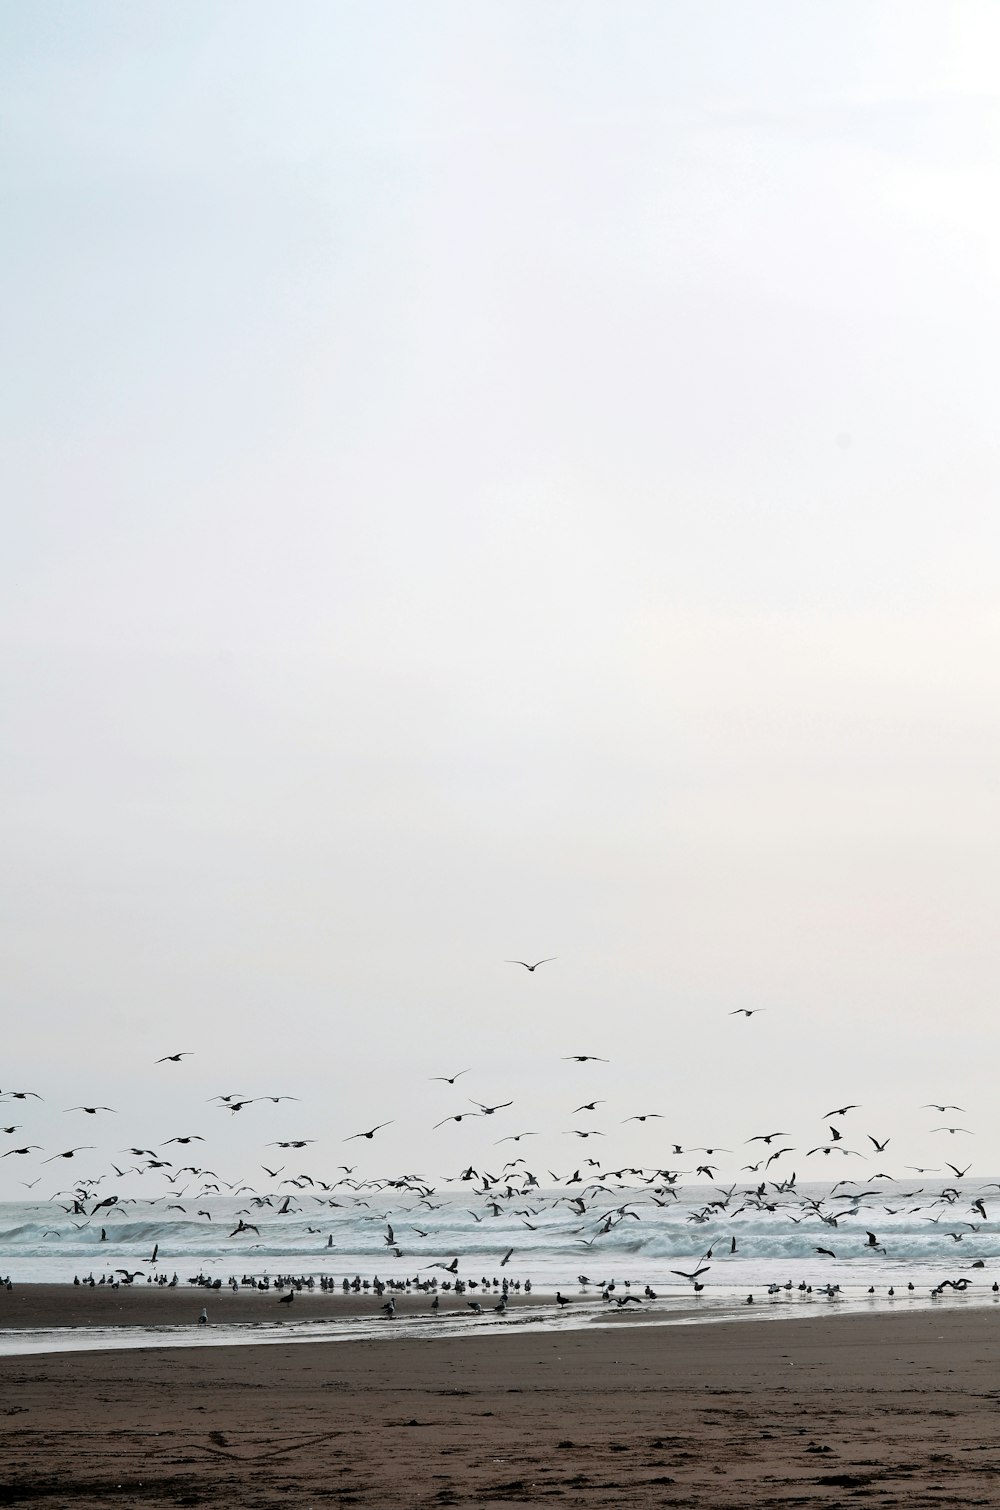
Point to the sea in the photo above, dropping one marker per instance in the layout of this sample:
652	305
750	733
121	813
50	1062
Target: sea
705	1252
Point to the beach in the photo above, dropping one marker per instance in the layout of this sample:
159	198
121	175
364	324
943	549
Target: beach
897	1409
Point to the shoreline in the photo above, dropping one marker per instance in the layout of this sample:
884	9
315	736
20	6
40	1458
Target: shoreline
41	1319
902	1405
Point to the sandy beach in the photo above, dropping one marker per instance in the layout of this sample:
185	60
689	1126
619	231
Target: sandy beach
889	1410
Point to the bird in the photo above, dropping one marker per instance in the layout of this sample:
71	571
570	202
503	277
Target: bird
642	1117
90	1110
176	1058
767	1137
746	1011
588	1106
841	1111
30	1149
935	1107
879	1147
286	1300
369	1135
952	1130
488	1111
69	1153
828	1252
534	967
203	1318
584	1058
449	1079
22	1095
457	1117
685	1275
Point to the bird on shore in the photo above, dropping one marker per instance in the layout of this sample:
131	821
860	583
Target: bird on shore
532	968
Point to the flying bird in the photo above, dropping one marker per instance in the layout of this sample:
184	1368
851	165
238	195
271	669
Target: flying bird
90	1110
449	1079
369	1135
584	1058
176	1058
533	967
747	1011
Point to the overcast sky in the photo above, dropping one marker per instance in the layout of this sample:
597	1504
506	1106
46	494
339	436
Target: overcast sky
487	480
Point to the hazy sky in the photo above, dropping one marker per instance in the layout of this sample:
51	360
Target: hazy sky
490	479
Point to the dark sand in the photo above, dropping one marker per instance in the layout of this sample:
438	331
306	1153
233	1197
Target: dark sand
896	1410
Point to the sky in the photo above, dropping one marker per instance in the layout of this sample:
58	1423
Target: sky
491	481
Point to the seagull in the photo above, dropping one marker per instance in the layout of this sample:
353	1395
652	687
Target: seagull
642	1117
934	1106
69	1153
534	967
176	1058
457	1117
583	1058
449	1079
90	1110
952	1130
685	1275
488	1111
747	1011
841	1111
879	1147
369	1135
588	1106
21	1095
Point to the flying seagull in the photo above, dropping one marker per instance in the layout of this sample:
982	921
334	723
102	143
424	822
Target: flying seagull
369	1135
176	1058
534	967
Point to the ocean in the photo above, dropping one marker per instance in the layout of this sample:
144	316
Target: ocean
742	1241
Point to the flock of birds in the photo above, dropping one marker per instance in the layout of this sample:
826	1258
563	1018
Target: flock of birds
585	1205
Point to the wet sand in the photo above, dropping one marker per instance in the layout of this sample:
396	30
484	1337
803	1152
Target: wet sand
891	1410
